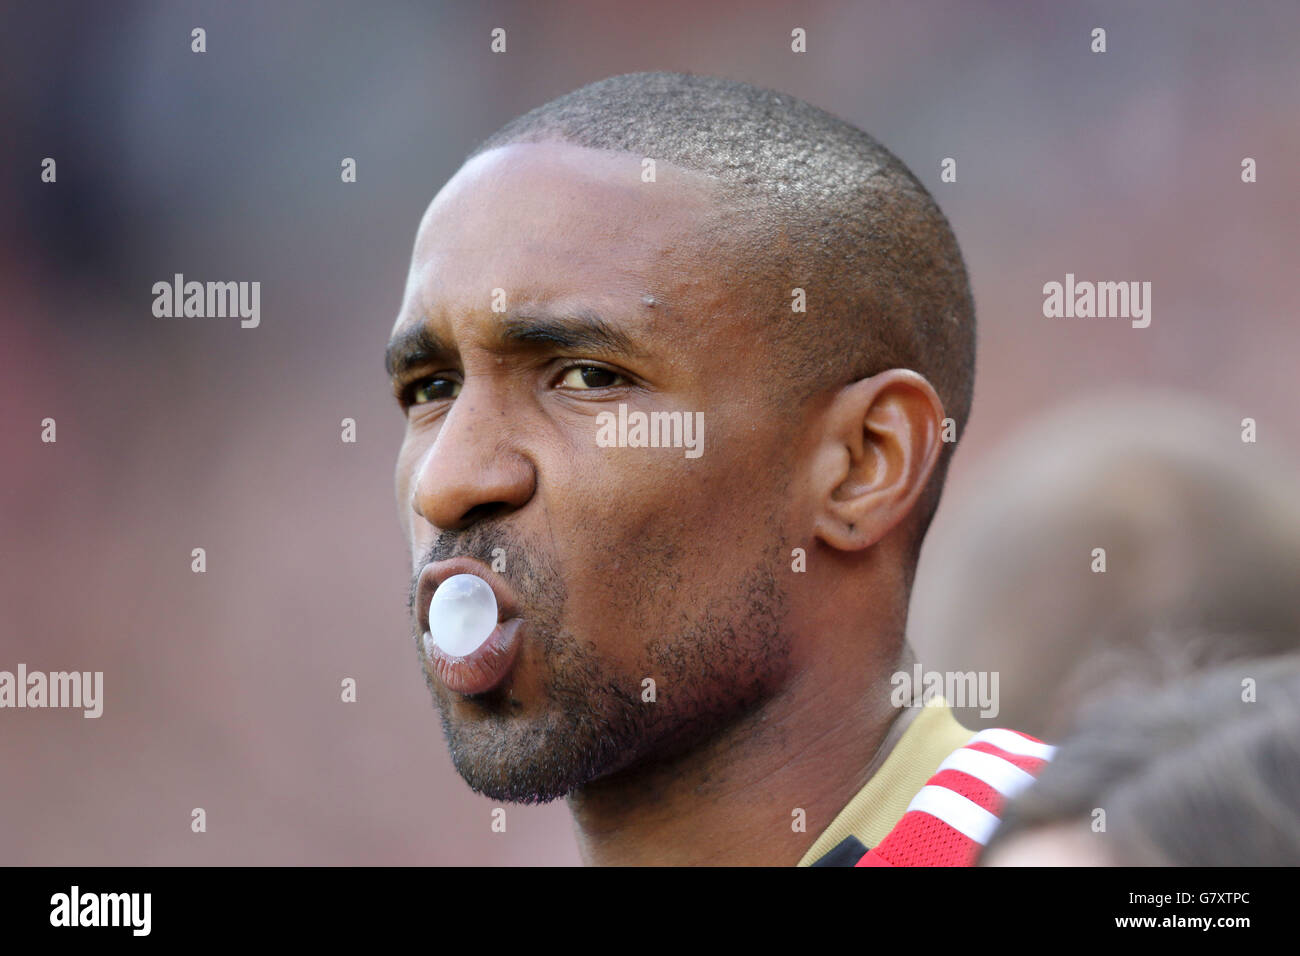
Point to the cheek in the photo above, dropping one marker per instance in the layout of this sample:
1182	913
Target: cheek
646	539
408	457
401	487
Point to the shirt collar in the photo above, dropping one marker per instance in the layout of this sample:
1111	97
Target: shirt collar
933	734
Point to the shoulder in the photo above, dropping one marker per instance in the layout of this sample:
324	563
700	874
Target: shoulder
957	810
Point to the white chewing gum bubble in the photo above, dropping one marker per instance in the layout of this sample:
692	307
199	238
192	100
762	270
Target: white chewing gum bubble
462	614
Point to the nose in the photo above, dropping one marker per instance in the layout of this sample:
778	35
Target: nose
472	471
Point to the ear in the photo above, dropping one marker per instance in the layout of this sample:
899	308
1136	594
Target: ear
880	446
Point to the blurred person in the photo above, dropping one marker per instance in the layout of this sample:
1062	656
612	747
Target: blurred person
1205	772
697	633
1200	532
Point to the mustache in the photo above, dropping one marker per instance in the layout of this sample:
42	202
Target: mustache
484	543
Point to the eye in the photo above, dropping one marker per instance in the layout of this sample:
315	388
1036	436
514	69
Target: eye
586	377
430	389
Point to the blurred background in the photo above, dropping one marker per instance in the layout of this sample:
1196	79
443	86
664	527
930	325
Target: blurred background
222	690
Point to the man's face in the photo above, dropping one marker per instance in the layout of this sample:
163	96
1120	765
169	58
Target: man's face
624	563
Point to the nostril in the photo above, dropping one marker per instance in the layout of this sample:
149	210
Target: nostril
484	512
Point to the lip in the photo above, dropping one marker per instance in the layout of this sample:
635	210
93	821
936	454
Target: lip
488	665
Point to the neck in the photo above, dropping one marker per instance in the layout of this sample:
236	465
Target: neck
732	801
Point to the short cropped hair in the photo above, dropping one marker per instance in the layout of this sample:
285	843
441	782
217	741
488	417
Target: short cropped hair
833	213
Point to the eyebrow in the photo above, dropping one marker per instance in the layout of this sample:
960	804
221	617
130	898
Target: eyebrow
413	348
580	330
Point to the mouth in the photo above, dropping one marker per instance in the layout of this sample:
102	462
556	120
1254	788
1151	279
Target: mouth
486	666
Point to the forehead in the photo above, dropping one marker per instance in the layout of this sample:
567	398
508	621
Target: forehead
552	222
